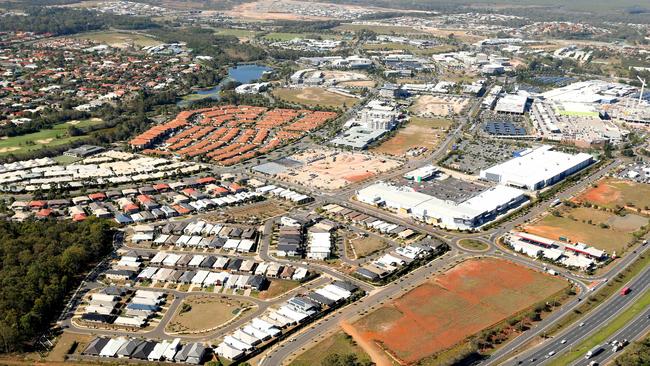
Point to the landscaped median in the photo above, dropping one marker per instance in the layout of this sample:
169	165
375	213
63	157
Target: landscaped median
604	333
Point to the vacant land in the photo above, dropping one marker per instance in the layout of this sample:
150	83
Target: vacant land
330	169
255	211
612	193
439	105
65	343
242	34
600	229
202	313
365	246
338	343
52	137
379	29
278	287
120	39
418	133
314	97
446	310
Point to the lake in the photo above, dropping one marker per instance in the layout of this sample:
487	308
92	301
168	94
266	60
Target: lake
240	73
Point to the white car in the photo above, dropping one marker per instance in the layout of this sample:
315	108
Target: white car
563	341
581	324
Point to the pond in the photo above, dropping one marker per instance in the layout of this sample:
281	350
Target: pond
240	73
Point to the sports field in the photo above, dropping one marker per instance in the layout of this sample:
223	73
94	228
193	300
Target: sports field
314	97
52	137
612	192
201	313
379	29
474	295
419	132
583	224
120	39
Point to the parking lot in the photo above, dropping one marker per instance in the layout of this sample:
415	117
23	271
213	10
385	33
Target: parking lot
472	155
447	188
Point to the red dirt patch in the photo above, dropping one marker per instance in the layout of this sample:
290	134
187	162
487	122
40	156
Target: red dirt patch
358	177
604	194
446	310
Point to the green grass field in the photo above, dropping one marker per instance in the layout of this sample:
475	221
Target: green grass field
339	343
55	136
287	36
239	33
116	38
380	29
390	46
472	244
574	225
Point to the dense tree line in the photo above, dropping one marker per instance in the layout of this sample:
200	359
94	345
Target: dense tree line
63	21
42	261
223	48
305	26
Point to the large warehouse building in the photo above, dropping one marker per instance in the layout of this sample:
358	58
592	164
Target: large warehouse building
537	169
466	215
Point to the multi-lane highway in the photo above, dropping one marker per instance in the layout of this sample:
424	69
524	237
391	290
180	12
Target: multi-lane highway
587	325
633	331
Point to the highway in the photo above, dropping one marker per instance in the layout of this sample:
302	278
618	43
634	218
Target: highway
591	323
633	331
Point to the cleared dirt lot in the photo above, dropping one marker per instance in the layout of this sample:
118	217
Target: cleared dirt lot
314	97
611	192
205	313
439	105
330	169
444	311
419	132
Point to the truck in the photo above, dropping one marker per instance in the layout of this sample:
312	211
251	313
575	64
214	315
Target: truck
594	351
556	202
625	291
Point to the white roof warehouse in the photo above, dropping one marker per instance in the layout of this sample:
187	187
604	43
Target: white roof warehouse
470	214
537	169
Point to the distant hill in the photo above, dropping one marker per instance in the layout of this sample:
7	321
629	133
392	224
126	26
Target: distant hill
592	11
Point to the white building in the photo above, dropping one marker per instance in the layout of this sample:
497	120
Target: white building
470	214
537	169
